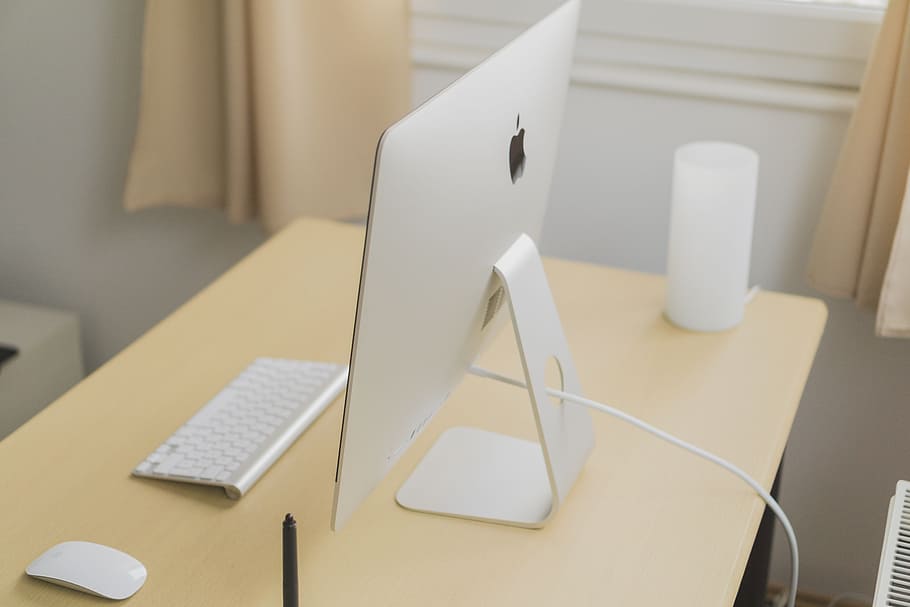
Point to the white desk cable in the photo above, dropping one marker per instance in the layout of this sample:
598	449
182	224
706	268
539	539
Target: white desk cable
772	503
751	293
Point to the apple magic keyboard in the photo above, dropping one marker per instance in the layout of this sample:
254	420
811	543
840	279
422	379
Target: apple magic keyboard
232	440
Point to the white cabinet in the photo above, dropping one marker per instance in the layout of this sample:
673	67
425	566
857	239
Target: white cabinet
48	364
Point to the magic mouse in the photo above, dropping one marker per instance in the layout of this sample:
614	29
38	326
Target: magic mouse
91	568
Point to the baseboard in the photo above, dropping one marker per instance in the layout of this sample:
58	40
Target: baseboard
805	598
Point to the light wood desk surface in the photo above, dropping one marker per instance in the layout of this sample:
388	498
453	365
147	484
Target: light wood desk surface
645	525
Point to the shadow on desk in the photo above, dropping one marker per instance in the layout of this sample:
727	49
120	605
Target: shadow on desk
210	496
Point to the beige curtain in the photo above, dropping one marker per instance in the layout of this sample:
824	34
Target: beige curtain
267	108
893	319
862	243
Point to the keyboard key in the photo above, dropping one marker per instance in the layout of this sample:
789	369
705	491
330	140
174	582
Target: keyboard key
211	472
169	462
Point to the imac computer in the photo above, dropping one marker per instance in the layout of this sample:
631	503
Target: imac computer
460	188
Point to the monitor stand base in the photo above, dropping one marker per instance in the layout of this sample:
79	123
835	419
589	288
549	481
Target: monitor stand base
475	474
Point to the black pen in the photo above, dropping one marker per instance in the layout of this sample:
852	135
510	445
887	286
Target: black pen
289	550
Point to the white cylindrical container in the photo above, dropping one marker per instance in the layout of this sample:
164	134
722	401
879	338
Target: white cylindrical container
711	219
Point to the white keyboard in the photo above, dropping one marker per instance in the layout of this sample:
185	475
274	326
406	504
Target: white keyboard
237	435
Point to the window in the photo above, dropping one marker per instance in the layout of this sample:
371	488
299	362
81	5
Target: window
810	43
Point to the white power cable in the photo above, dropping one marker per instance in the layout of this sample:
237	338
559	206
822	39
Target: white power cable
751	293
772	503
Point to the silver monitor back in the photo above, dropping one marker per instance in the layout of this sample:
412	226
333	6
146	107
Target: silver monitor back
451	193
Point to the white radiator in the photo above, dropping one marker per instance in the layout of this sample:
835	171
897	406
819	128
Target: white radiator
892	588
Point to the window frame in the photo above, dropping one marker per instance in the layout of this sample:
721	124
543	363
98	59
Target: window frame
804	55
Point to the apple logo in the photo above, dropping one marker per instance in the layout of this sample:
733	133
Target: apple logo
517	152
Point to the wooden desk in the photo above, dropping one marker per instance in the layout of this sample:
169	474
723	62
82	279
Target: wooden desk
645	525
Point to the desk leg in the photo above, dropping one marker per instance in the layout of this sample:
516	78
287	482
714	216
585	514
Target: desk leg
754	584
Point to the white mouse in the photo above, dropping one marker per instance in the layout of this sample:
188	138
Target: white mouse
92	568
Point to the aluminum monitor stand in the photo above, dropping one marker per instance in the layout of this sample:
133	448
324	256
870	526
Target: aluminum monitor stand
475	474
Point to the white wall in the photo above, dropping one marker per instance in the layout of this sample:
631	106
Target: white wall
610	205
69	86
